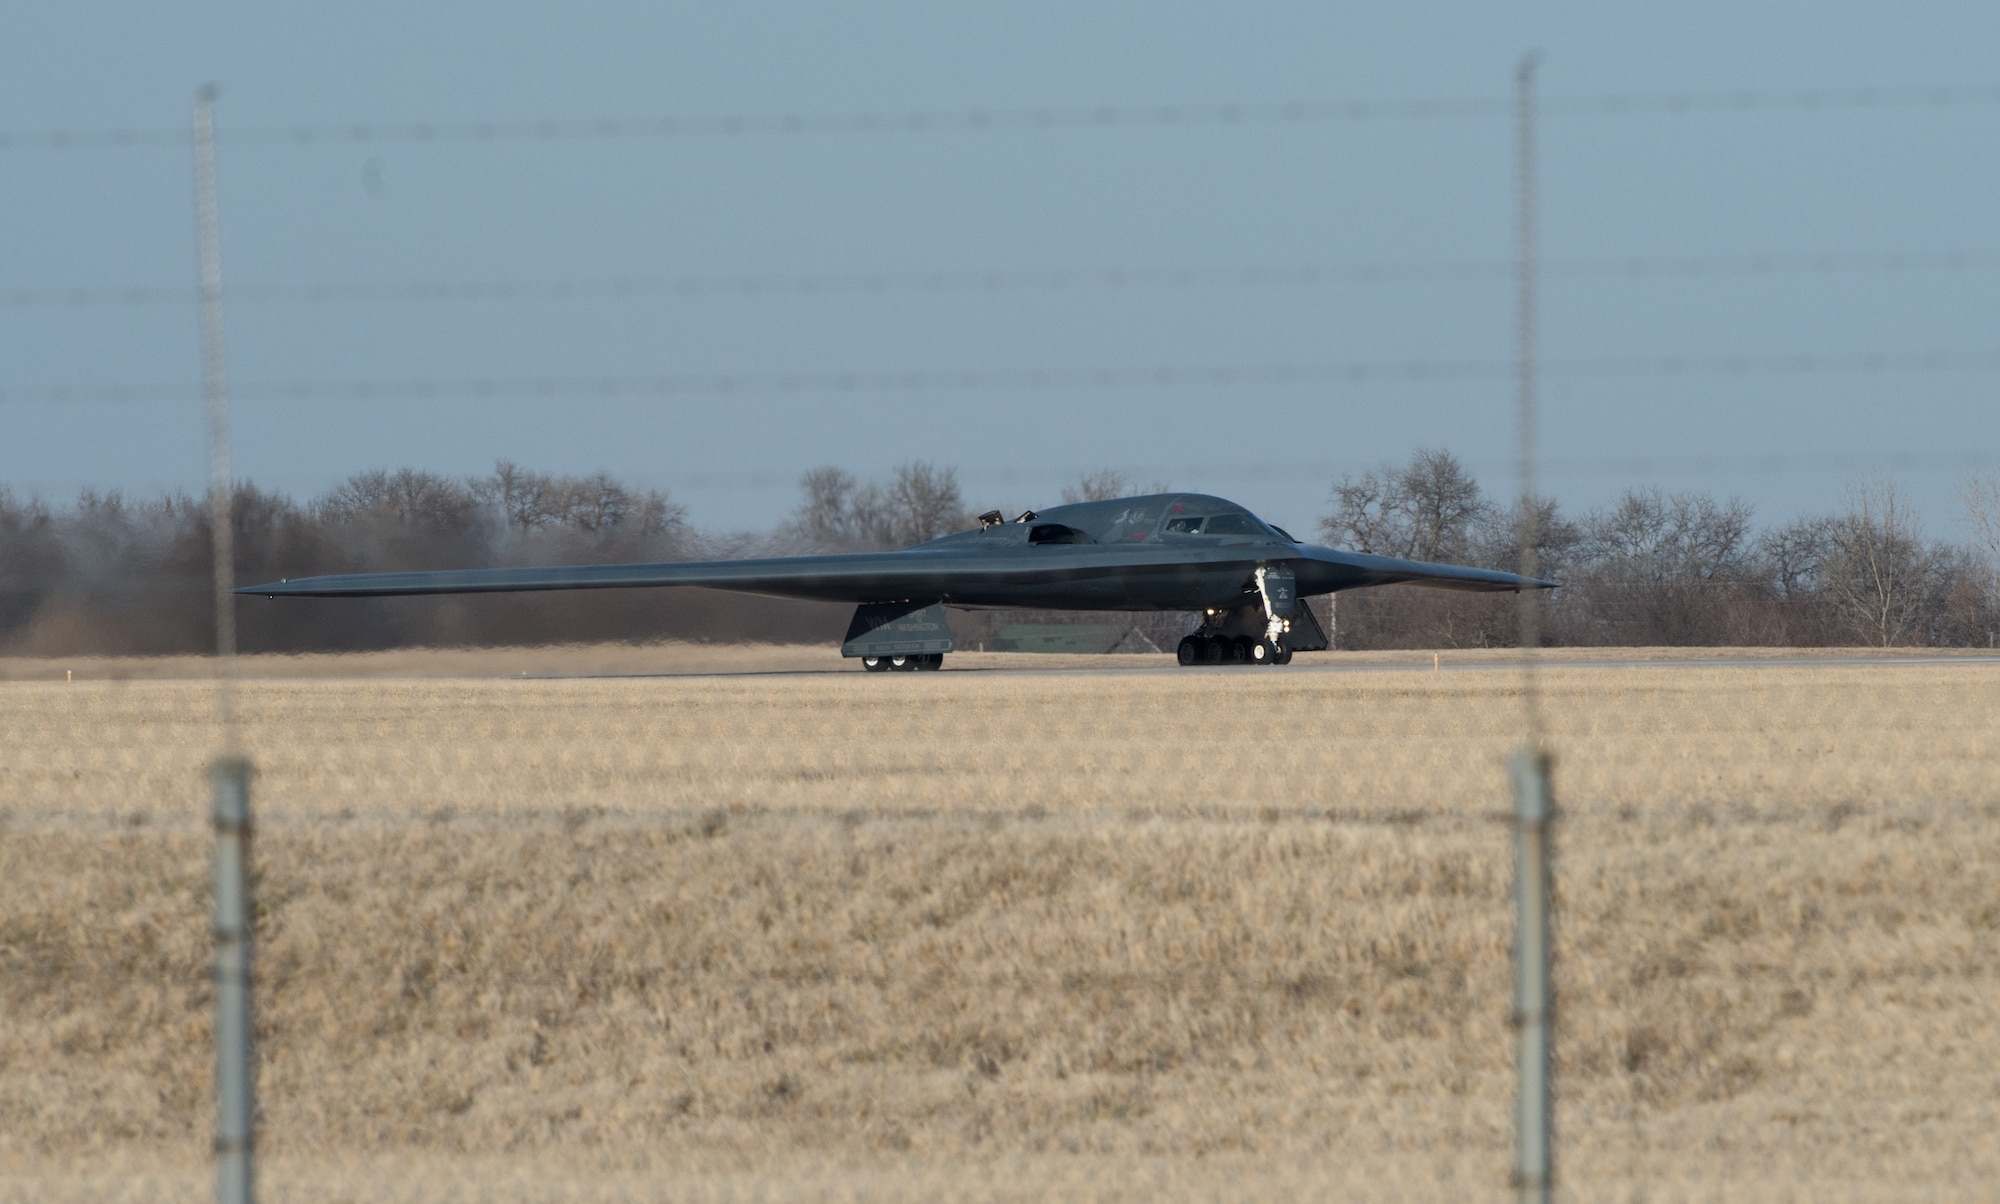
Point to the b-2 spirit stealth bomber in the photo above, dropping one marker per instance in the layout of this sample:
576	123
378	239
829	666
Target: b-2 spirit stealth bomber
1166	551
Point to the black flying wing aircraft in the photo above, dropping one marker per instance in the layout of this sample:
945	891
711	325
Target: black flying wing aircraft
1167	551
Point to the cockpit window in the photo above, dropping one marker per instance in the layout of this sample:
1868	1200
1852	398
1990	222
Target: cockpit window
1234	524
1182	525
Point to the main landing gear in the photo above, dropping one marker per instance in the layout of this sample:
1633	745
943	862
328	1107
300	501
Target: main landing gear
1199	649
1262	629
903	664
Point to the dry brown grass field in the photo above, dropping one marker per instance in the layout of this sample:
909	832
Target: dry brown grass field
1010	936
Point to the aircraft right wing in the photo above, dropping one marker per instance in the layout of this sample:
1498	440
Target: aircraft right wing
1348	570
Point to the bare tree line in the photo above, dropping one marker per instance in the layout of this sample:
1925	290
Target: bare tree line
837	513
1682	568
116	575
112	574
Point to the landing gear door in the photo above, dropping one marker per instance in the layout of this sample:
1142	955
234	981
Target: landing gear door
1306	634
1281	591
897	629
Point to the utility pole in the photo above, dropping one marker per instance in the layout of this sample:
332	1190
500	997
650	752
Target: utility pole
1534	809
235	1057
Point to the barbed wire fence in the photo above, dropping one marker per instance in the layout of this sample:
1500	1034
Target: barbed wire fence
997	934
1012	935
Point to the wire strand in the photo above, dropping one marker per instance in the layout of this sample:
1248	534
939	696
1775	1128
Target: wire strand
997	281
1162	116
1033	379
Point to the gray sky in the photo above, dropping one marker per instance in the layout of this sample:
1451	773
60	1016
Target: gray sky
1859	183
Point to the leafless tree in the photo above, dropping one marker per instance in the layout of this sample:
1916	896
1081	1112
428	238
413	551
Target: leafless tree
1364	516
835	513
1661	568
1442	502
1979	498
824	518
922	502
31	553
520	495
408	496
1657	536
1424	510
1102	485
1496	539
1795	557
1880	572
597	504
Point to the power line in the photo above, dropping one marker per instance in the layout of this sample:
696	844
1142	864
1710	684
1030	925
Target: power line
1024	379
1320	470
1751	100
995	281
1210	474
560	129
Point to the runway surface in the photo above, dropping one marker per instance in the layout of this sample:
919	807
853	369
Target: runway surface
1109	665
674	660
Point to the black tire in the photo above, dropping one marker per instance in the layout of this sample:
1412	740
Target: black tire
1260	652
1239	650
875	664
931	660
903	664
1284	656
1215	650
1190	650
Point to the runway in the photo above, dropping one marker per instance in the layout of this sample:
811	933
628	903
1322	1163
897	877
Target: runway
1023	665
584	662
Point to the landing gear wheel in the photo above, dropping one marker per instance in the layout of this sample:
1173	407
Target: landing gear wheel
1239	651
1190	650
1284	656
931	660
1261	653
875	664
1215	650
903	664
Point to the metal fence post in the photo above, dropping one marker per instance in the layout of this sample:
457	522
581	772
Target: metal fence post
1534	814
235	1060
235	1057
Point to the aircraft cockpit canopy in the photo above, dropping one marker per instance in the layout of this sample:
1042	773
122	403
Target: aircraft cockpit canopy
1212	524
1171	516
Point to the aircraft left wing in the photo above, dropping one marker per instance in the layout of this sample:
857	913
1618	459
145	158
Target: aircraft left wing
850	577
